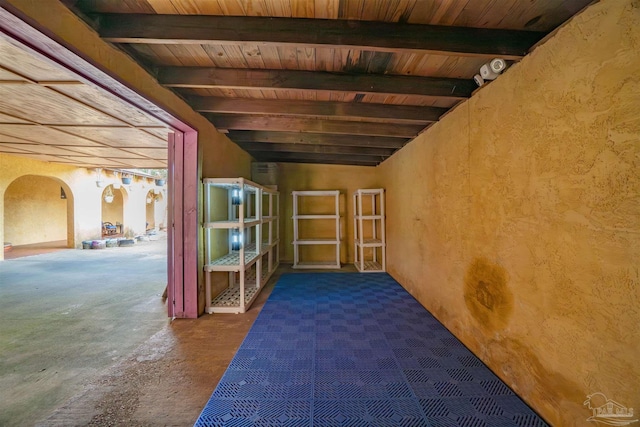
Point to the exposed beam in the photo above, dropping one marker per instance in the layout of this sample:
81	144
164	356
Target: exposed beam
345	110
319	149
341	159
240	78
329	33
16	24
293	124
344	162
316	138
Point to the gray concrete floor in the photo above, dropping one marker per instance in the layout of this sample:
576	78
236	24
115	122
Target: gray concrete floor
69	315
85	341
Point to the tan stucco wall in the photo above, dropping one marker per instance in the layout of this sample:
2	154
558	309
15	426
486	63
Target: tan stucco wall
218	156
347	179
516	219
523	200
114	212
14	168
43	208
34	211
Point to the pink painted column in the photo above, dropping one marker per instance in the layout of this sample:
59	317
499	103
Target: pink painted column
182	291
190	186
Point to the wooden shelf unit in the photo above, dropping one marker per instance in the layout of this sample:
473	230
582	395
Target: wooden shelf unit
253	223
332	214
369	230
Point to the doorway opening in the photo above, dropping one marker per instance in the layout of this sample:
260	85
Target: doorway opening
38	216
113	201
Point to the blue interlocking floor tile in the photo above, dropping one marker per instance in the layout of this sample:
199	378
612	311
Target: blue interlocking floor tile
337	349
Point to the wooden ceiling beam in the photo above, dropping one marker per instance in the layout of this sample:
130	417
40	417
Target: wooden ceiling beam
316	138
269	156
312	148
294	124
329	33
241	78
344	162
345	110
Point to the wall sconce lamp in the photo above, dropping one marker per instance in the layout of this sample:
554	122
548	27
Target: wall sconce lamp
63	195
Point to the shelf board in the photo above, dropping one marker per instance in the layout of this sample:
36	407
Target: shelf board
369	217
317	264
316	242
264	248
366	243
234	183
267	246
248	222
316	216
316	193
231	261
229	300
370	191
370	267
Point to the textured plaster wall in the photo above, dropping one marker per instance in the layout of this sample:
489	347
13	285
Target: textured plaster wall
20	177
516	219
347	179
218	156
114	212
14	169
34	211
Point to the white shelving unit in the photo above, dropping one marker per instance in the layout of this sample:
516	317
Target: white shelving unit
369	230
241	238
302	219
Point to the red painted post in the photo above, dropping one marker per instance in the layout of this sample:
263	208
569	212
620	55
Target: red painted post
182	283
177	224
190	186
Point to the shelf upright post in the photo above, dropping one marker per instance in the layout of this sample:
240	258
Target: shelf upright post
296	257
241	214
337	211
232	211
207	275
258	214
361	231
355	228
383	236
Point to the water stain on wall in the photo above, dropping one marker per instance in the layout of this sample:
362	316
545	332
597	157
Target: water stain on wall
487	295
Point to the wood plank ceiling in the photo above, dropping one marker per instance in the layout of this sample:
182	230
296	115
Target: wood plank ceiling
47	113
323	81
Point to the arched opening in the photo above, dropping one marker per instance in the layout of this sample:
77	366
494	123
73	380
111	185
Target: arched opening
161	211
38	213
150	211
112	211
